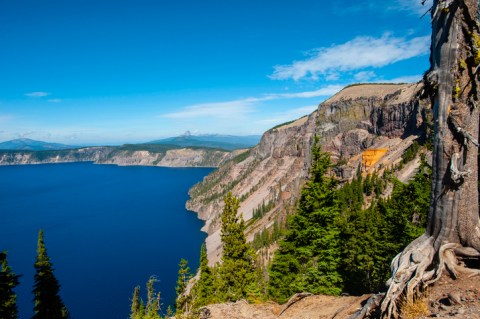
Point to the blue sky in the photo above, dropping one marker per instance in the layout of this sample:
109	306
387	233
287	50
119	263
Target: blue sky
111	72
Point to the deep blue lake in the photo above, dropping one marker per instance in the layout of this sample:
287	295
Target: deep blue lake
106	229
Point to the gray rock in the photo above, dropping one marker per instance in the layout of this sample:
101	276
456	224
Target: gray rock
454	298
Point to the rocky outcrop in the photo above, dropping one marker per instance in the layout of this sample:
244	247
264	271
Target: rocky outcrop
89	154
182	157
357	118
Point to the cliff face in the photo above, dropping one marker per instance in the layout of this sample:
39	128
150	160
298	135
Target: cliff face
355	119
89	154
184	157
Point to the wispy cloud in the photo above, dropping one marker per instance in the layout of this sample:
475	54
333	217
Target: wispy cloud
357	54
414	6
241	107
228	109
55	100
364	76
282	117
325	91
37	94
405	79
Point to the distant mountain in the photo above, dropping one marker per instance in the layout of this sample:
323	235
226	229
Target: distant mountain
226	142
26	144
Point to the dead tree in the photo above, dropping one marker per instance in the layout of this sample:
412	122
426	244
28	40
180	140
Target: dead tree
453	229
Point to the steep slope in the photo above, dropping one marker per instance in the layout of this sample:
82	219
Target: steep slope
360	117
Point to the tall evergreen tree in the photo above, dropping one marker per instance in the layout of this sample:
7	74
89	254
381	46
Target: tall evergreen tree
204	290
136	307
237	271
184	275
152	307
48	304
309	257
8	298
150	310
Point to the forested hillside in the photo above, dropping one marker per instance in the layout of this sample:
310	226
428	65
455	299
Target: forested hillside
339	239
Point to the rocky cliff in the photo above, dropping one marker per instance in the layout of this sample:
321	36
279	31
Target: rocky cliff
123	156
357	118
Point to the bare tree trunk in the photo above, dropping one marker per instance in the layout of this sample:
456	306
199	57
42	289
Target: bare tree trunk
453	229
453	216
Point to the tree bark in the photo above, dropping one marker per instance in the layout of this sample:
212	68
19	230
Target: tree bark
453	215
453	228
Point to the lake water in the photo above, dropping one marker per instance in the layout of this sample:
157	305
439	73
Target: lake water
106	229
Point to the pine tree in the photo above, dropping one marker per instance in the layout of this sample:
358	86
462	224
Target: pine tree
237	270
48	304
136	303
8	298
184	276
310	255
150	310
204	288
152	307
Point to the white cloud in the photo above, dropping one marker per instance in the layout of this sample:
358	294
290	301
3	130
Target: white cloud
344	7
414	6
37	94
356	54
406	79
241	107
55	100
229	109
364	76
325	91
282	117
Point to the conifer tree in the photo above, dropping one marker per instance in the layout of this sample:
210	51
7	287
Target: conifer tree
150	310
48	304
184	276
309	257
135	312
204	287
237	270
152	307
8	298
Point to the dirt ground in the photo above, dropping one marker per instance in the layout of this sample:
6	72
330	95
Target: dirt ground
459	298
312	307
447	299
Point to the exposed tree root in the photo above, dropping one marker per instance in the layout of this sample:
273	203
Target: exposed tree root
410	269
417	267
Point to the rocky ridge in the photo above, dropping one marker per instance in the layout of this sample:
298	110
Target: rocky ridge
180	157
357	118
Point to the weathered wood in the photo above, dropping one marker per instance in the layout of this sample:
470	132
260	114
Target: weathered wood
453	218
